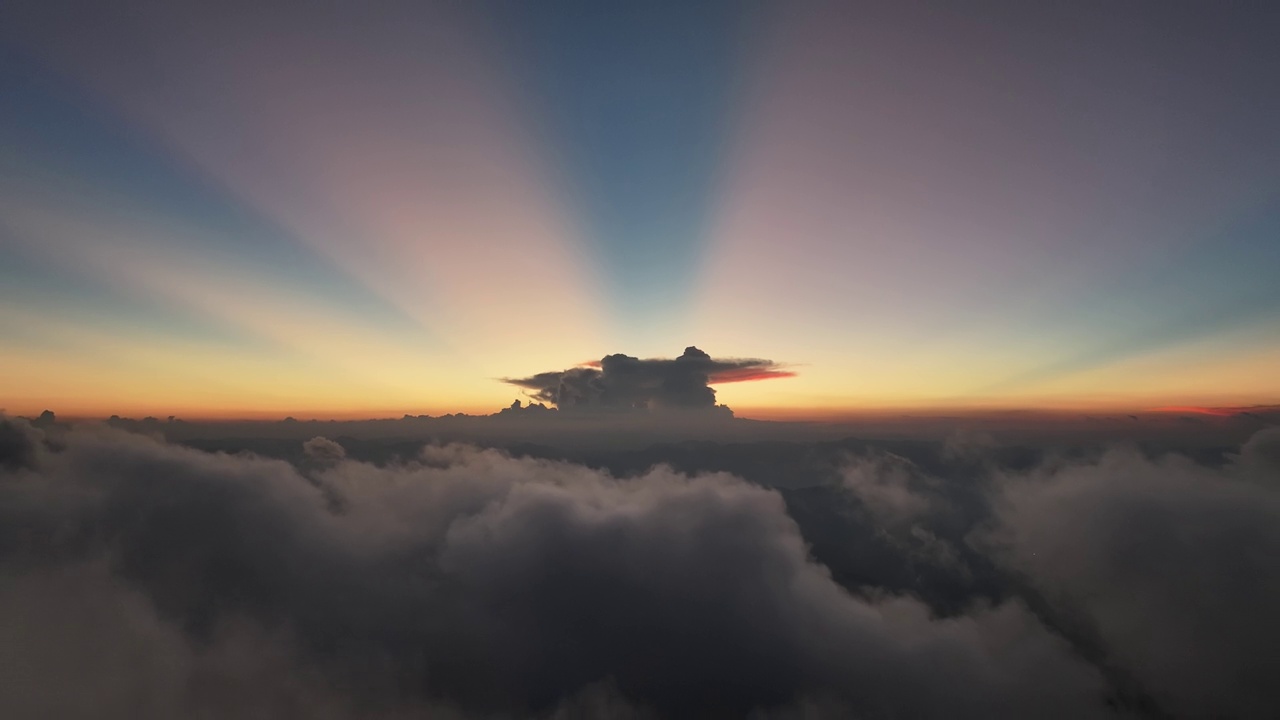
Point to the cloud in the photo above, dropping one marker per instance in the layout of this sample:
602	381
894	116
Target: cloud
19	444
622	381
1159	569
1170	564
1259	459
322	449
885	485
471	582
91	646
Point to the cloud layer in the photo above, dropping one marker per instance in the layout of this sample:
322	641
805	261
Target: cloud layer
161	581
468	580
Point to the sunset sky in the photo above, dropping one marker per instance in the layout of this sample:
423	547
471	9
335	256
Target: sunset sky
368	209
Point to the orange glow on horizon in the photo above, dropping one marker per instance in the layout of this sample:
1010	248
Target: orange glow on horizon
1197	410
834	415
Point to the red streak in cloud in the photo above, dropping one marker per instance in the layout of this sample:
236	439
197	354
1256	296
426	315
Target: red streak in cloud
747	375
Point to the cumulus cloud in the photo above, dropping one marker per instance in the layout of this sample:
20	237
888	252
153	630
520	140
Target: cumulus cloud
471	582
887	485
1159	569
905	532
322	449
1259	458
622	381
1170	564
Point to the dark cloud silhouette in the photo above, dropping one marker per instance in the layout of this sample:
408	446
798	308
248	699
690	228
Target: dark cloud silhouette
623	382
465	581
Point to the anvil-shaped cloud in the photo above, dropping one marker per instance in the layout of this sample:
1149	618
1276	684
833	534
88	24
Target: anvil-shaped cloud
623	381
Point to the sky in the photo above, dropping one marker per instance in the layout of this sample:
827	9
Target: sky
386	207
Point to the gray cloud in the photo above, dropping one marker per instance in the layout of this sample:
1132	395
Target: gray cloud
1259	458
1171	564
81	643
20	444
1158	568
322	449
625	382
472	582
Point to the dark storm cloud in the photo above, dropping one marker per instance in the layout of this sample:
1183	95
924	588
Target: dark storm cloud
160	581
622	381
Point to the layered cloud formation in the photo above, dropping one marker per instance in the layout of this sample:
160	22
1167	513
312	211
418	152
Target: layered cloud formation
622	381
161	581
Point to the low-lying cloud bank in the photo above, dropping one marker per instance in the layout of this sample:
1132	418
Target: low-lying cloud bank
140	579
